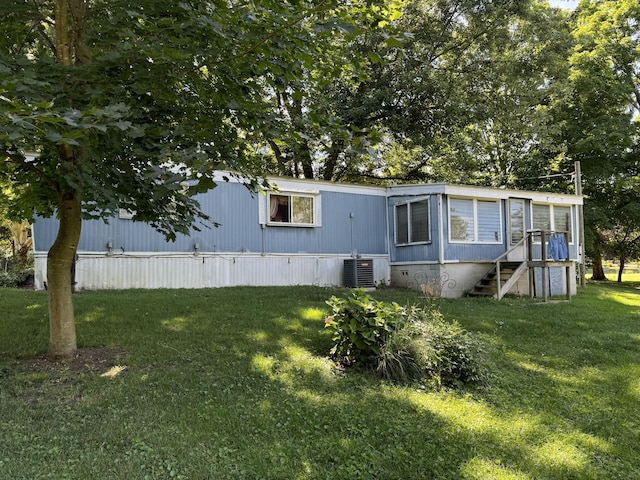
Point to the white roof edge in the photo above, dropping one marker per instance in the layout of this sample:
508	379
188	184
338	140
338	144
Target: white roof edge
485	192
302	184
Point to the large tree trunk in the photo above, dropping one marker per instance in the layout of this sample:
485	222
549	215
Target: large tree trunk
598	270
62	333
70	29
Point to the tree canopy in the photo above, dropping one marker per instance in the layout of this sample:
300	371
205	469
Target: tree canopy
110	104
136	105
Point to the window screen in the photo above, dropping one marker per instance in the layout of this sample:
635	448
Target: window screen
541	217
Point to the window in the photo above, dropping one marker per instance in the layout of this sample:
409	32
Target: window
516	220
541	217
562	220
125	214
461	220
553	218
488	214
412	222
291	209
474	221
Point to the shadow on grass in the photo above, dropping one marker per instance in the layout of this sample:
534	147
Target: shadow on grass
234	383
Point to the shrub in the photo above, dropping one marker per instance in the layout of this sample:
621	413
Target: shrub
429	349
14	273
402	344
8	279
361	326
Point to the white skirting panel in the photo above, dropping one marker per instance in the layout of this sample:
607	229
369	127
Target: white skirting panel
97	271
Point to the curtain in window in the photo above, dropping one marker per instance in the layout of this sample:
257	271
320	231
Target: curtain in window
279	208
273	207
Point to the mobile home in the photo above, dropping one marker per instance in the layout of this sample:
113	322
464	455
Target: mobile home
441	238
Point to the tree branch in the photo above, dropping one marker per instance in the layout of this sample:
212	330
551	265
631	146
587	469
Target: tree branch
273	34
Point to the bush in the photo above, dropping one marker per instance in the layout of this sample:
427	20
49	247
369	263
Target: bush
15	274
361	326
402	344
428	349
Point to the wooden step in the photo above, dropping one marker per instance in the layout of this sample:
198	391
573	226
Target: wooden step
487	286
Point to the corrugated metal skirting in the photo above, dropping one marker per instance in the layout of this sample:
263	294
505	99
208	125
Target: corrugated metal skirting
97	272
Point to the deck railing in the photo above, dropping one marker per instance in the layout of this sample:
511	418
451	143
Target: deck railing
528	243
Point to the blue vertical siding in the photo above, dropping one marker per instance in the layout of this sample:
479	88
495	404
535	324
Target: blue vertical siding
364	233
353	220
237	212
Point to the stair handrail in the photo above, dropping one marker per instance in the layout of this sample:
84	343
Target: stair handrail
523	241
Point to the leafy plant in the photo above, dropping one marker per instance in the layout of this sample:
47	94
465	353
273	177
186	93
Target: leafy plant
428	348
361	326
14	273
402	344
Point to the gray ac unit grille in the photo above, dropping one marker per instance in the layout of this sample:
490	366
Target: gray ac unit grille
358	272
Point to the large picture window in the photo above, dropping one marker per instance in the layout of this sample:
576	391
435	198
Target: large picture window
412	222
292	209
474	221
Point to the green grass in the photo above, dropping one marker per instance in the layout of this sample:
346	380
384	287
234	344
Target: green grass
631	272
235	383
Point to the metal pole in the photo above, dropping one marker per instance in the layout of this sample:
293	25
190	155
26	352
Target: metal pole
581	249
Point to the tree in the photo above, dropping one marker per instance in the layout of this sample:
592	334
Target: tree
617	225
125	102
599	120
406	91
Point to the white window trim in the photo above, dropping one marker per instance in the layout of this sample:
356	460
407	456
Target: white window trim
552	218
317	208
395	223
124	214
475	240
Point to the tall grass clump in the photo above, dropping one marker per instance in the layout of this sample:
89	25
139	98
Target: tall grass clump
402	344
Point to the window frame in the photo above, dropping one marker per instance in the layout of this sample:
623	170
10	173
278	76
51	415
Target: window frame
410	226
552	219
475	240
315	208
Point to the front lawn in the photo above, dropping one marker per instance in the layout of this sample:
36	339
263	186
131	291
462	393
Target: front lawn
236	383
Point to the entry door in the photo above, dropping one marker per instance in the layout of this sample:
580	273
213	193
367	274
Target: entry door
515	230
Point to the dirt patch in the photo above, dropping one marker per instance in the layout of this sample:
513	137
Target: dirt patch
86	360
38	381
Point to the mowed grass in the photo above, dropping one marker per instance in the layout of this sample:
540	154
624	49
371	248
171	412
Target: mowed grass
236	384
631	272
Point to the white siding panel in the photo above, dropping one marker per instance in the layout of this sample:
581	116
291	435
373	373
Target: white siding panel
98	271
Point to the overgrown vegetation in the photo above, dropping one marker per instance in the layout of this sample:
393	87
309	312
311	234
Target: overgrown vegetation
16	262
235	384
15	273
402	344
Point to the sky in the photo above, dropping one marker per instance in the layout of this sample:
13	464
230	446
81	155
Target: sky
571	4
